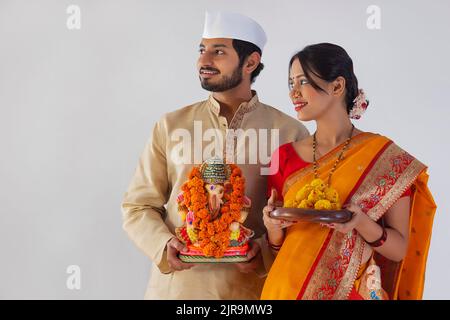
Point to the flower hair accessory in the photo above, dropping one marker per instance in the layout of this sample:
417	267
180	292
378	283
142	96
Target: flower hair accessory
360	105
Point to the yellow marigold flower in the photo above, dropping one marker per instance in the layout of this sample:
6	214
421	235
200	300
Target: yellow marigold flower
303	193
331	194
322	205
310	203
336	206
303	204
318	184
289	204
316	195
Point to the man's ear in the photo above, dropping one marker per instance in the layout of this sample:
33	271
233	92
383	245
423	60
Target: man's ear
339	86
252	62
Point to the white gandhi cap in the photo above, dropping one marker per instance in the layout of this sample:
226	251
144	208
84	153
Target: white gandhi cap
234	26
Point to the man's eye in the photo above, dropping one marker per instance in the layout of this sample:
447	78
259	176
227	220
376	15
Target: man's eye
201	51
219	52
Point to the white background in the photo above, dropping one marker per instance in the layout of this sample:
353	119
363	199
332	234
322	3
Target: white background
77	107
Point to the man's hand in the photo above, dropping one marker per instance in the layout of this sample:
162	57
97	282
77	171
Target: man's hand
174	246
254	259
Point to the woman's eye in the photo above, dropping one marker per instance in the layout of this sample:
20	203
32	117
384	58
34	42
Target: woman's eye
303	82
219	52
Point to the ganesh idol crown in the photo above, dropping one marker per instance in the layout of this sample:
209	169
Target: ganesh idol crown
213	208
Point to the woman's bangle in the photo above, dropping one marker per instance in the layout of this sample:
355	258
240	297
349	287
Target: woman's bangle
380	241
273	246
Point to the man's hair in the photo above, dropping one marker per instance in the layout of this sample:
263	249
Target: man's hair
244	49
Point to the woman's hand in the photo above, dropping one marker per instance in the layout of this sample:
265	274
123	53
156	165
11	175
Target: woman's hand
274	225
397	220
358	217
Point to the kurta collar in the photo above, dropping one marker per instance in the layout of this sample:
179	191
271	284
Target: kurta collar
244	107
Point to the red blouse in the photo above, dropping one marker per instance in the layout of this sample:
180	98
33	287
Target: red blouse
288	162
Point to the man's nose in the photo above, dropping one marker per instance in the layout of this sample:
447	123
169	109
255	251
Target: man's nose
205	60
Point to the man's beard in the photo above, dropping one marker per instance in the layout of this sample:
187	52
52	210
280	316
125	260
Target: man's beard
226	83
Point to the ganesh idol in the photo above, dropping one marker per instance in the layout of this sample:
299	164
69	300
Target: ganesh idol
213	207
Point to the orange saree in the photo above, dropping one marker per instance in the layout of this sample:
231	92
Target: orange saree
320	263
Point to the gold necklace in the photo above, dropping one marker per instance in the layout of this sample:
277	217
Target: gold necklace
347	142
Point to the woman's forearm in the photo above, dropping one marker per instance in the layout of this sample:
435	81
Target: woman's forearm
395	246
275	237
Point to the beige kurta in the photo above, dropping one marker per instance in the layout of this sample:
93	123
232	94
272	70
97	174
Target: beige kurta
150	208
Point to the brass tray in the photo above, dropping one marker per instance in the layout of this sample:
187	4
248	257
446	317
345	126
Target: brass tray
311	215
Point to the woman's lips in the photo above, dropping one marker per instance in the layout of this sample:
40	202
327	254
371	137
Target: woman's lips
300	105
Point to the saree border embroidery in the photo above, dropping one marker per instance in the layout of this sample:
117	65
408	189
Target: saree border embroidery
395	171
324	161
339	266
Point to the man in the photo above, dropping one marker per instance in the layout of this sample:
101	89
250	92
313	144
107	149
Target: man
229	61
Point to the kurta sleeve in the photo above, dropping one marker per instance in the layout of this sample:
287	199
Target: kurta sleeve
302	132
143	204
276	179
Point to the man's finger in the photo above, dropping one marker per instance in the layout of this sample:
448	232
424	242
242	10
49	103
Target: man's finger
177	264
251	254
253	251
178	245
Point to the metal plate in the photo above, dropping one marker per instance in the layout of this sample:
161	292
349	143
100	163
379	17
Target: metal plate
310	215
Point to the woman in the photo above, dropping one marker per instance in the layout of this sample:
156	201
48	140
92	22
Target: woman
382	185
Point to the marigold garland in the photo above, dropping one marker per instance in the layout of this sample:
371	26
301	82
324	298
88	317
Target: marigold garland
214	236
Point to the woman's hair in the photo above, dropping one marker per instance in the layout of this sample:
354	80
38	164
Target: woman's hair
328	61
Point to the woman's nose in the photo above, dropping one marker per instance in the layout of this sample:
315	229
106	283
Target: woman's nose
296	93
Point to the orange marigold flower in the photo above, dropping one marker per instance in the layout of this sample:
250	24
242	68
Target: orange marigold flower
214	236
195	172
202	213
226	219
235	207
